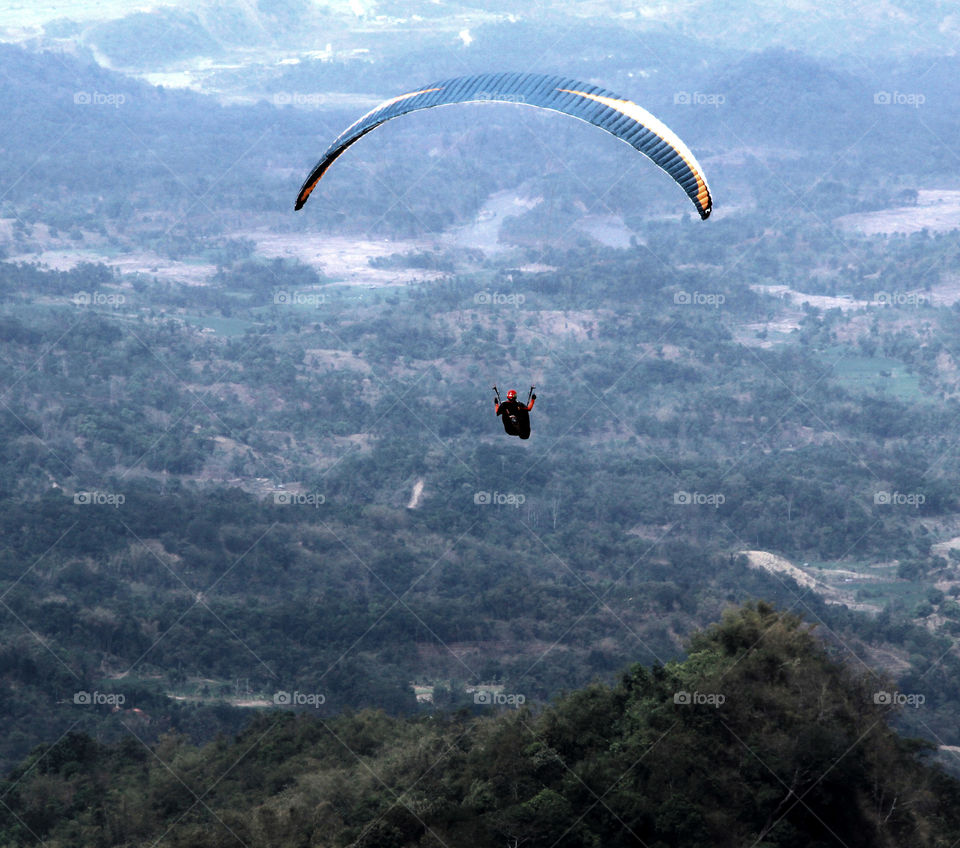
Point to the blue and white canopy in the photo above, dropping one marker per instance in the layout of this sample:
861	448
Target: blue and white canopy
615	114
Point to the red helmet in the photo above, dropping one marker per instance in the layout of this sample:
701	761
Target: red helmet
511	395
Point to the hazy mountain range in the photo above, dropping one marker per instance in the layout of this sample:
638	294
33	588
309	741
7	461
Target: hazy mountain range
230	46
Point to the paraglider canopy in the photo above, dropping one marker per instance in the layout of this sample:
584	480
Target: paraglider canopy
617	115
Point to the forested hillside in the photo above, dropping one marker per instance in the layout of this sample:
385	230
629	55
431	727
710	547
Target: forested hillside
759	737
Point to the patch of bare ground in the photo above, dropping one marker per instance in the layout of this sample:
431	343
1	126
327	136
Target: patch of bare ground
894	663
859	314
130	262
946	292
536	268
895	320
766	561
766	334
416	495
758	334
943	548
946	525
936	210
282	465
575	323
336	360
670	352
947	528
824	584
343	259
796	436
947	368
820	301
